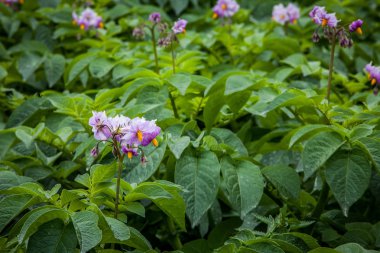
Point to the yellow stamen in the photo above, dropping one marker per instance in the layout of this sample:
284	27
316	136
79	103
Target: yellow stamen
82	26
155	142
224	7
139	135
295	21
324	22
373	81
282	16
74	22
215	15
184	31
369	76
101	25
129	155
359	31
21	1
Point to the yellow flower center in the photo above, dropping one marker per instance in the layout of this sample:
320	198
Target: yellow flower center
215	15
373	81
224	7
101	25
359	30
295	21
282	16
155	142
82	26
130	154
324	22
139	135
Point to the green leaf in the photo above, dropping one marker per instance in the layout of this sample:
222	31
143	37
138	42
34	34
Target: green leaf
178	145
38	218
244	184
143	171
318	150
303	131
53	237
77	65
119	229
237	83
12	205
196	246
199	176
87	230
147	190
179	6
348	174
180	81
100	67
3	73
212	108
229	138
323	250
54	68
28	64
285	179
9	179
102	173
137	240
372	146
351	248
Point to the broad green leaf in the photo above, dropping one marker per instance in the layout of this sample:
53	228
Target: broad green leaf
143	171
53	237
229	138
7	138
285	179
222	232
77	65
262	247
3	73
318	150
9	179
196	246
28	64
54	68
237	83
302	131
181	82
102	173
178	145
119	229
100	67
348	174
86	229
29	112
351	248
38	218
12	205
199	176
213	105
372	146
138	241
244	184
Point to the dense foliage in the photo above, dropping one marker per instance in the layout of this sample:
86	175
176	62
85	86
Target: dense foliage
251	157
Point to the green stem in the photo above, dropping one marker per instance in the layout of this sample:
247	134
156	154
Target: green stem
119	169
331	66
173	57
172	101
322	201
177	244
155	49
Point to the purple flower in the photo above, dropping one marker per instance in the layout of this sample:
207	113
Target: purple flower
179	26
293	13
373	73
87	19
321	17
141	132
130	151
282	14
225	8
155	17
100	126
356	26
118	126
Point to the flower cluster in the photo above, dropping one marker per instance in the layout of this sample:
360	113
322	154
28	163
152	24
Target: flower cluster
331	30
168	37
225	8
374	76
11	2
88	19
289	14
124	133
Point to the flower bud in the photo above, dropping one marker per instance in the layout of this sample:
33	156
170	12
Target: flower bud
95	151
316	37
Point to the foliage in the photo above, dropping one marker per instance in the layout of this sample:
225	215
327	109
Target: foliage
252	158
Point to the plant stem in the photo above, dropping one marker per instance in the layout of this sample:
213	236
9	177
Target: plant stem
175	111
177	244
119	169
173	57
331	66
322	201
155	49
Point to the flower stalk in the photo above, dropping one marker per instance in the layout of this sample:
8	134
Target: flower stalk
331	66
